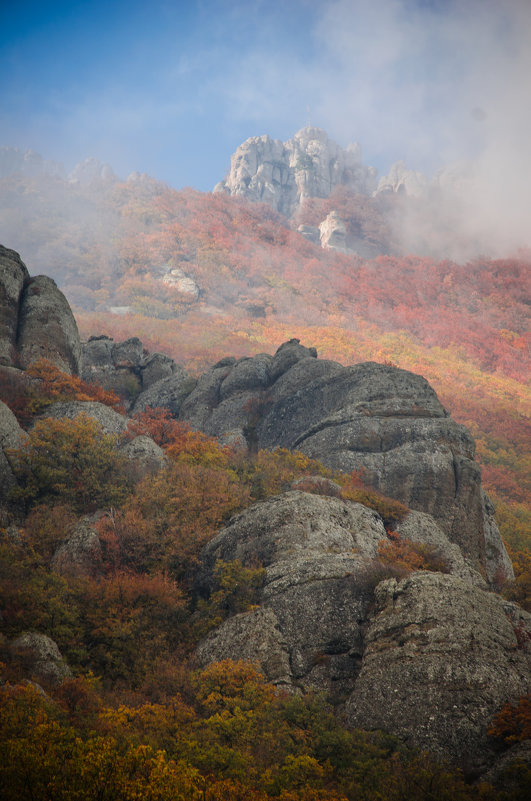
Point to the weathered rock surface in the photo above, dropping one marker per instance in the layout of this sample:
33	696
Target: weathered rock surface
420	527
46	662
333	233
312	547
402	180
386	422
11	436
283	174
432	657
13	274
144	455
80	554
254	636
168	392
46	327
110	421
441	658
137	377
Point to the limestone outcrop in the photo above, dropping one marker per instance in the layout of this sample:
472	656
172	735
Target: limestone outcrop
47	328
36	321
13	275
431	657
283	174
44	658
139	378
80	554
313	609
385	422
11	436
441	658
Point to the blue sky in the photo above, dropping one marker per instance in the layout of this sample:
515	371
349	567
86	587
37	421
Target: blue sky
171	88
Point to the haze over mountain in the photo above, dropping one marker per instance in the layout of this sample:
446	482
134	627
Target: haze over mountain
172	90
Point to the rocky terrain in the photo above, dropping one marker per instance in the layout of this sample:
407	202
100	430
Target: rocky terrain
432	655
283	174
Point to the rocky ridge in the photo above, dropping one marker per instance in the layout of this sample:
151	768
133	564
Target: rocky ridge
283	174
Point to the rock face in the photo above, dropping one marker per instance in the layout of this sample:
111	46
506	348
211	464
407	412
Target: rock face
110	421
46	327
383	421
80	554
283	174
11	436
139	378
27	162
47	664
36	321
313	609
13	274
333	233
401	180
431	657
441	658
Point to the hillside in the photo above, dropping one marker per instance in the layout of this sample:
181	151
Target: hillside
221	617
198	276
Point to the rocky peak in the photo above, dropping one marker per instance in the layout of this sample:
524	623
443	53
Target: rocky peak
27	162
283	174
402	180
90	170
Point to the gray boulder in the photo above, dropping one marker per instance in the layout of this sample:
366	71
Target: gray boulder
255	637
389	424
144	455
13	274
420	527
47	328
115	367
312	547
45	661
110	421
441	658
80	554
156	367
169	392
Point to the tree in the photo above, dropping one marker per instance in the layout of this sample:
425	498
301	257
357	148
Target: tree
70	461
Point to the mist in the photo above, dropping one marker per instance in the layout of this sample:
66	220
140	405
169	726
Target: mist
441	84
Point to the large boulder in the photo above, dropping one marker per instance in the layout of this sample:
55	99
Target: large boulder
111	422
47	328
168	392
431	657
140	379
312	548
13	274
441	658
389	424
42	656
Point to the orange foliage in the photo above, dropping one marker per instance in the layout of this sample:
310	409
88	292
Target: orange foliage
158	424
513	722
405	555
59	386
